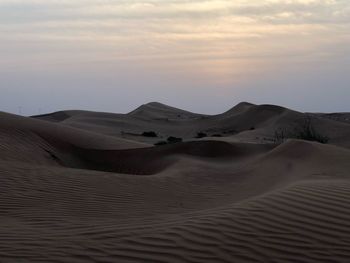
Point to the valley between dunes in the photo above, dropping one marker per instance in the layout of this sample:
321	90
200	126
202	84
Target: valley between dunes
80	186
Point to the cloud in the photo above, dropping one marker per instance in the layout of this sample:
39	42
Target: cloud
32	10
223	42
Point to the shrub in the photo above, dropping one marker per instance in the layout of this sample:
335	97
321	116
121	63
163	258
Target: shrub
160	143
306	132
201	135
280	136
216	135
172	139
150	134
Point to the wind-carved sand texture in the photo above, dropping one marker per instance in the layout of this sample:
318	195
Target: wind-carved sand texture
79	186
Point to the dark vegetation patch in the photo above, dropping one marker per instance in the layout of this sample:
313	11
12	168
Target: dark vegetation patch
170	140
151	134
161	143
201	135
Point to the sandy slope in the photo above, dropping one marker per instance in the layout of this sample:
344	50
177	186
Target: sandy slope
68	195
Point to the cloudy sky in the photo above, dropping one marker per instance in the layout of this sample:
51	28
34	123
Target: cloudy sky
204	56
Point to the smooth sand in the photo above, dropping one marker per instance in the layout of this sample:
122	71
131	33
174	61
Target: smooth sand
69	194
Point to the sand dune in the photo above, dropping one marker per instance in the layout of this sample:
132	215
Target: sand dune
72	195
156	110
244	122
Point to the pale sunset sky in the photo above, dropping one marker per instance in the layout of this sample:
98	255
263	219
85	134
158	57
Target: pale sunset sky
202	56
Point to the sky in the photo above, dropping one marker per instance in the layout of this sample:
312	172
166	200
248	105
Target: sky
202	56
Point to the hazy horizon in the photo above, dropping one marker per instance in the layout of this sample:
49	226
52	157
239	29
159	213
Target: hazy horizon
201	56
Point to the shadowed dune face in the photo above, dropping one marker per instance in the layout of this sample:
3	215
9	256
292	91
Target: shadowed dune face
151	160
72	195
156	159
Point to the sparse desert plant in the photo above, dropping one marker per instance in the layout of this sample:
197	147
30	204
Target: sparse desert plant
280	136
306	132
230	132
160	143
309	133
150	134
201	135
173	139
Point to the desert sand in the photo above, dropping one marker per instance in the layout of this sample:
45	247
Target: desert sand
80	186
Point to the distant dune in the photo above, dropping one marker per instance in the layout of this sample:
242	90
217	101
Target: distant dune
80	186
244	122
